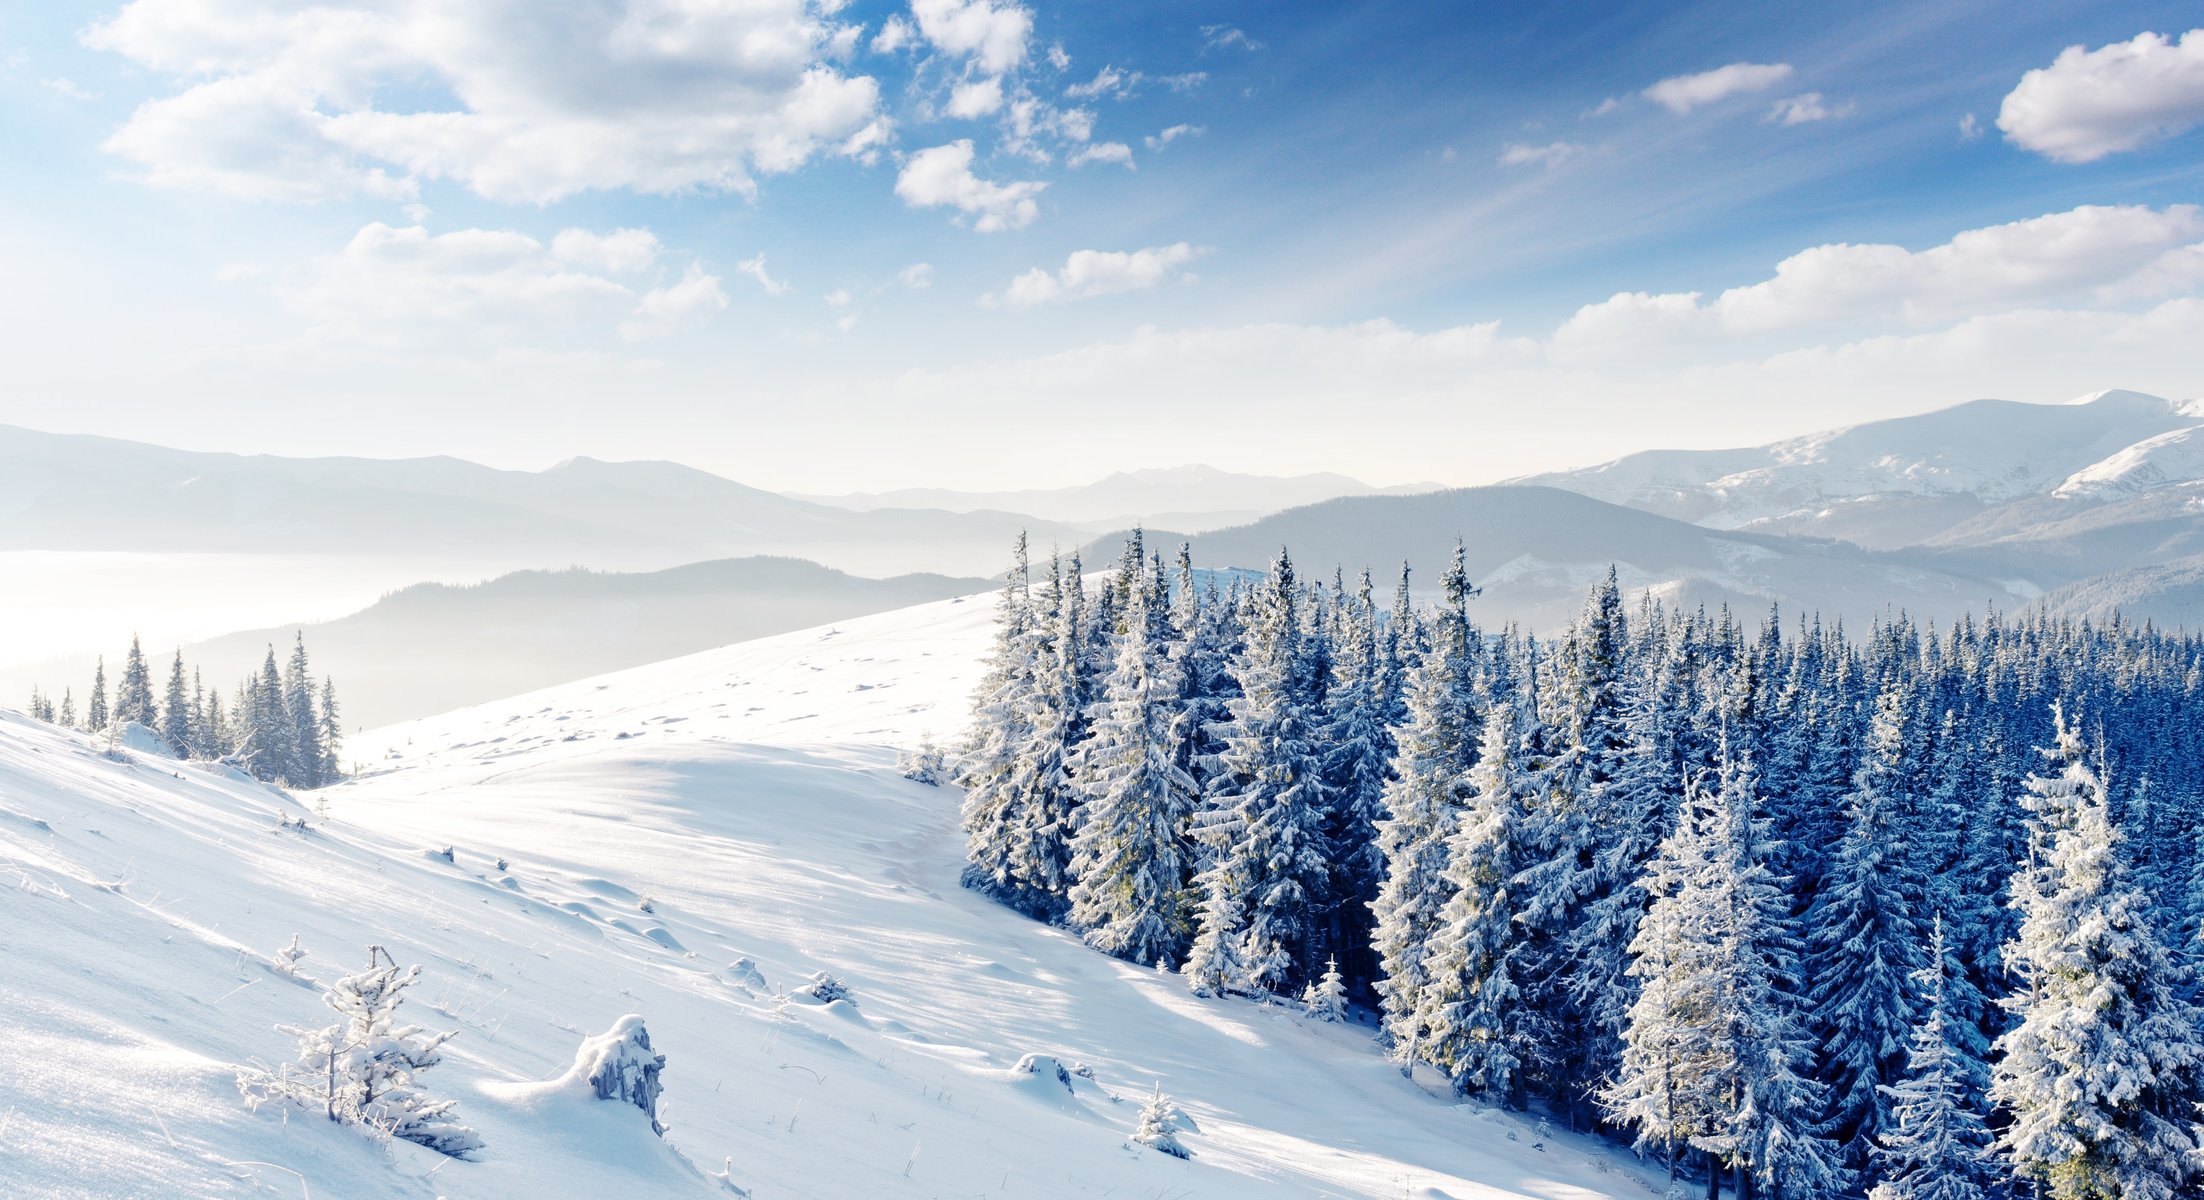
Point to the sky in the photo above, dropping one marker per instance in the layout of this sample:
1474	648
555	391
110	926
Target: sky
827	247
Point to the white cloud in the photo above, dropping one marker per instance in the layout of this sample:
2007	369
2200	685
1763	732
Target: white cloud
1978	271
993	35
64	86
941	176
1682	93
1089	273
1057	58
1807	107
917	275
1221	37
1969	128
276	101
1173	133
1124	85
1104	152
1516	154
754	267
664	310
399	291
2090	103
975	98
895	33
621	252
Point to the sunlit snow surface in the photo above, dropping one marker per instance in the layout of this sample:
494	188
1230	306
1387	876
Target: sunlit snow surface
748	794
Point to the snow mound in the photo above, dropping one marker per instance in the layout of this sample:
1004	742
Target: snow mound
2176	456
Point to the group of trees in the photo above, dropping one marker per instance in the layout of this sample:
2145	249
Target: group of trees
279	723
1821	915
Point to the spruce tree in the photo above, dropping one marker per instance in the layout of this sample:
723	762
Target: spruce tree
1935	1146
990	768
2101	1074
1131	859
95	707
176	723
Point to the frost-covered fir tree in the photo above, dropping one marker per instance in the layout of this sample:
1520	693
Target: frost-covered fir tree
176	722
95	707
134	694
1358	763
1472	1020
304	765
1326	999
1935	1146
1423	804
1866	939
1132	858
991	769
1159	1126
1265	813
362	1070
332	732
2102	1073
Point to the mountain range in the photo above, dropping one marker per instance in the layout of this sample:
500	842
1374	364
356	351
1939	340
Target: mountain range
1192	497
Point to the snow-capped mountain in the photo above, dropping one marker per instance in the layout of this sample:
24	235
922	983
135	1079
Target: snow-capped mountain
690	843
1904	481
1534	550
1193	497
79	493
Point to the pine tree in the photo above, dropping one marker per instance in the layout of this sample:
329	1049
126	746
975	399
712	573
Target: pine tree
1358	762
1264	818
1472	1019
1423	806
95	708
1867	940
990	769
68	714
301	715
176	724
362	1070
1326	999
134	696
1158	1128
332	733
1935	1146
1131	858
2102	1073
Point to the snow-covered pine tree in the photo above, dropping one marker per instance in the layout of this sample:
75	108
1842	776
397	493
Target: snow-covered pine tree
302	715
332	733
1865	938
67	716
95	706
1358	763
176	723
1158	1128
990	768
1935	1145
1132	859
362	1070
1264	817
1423	804
134	695
2102	1073
1326	999
1473	1020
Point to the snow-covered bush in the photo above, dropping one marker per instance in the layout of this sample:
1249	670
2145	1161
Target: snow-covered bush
620	1065
1159	1126
826	989
361	1070
924	765
287	959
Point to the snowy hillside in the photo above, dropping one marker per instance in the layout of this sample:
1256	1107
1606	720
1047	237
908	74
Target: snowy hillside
1897	482
689	842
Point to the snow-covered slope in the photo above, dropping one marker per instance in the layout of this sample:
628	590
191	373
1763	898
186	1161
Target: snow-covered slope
748	794
1899	482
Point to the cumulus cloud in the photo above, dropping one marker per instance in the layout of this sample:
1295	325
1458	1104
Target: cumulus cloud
1517	154
895	33
1682	93
941	177
1090	273
1806	108
621	252
274	101
1978	271
2090	103
975	98
992	35
917	275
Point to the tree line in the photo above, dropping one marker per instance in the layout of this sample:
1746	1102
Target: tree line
1909	914
279	723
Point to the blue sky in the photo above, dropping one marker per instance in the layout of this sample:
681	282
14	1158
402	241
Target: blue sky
988	243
